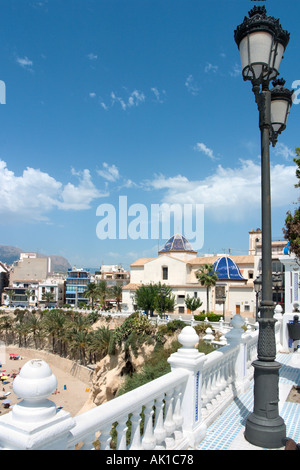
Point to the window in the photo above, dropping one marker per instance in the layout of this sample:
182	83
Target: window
247	308
250	274
165	273
195	295
180	309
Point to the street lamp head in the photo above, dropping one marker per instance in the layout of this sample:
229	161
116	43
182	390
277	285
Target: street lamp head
281	102
257	284
277	281
261	42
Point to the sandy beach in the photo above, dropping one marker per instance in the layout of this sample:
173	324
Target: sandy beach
71	393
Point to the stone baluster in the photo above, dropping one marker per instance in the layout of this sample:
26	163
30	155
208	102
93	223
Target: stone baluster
105	438
204	393
149	440
135	432
122	429
189	359
236	337
177	416
208	337
160	432
169	423
35	423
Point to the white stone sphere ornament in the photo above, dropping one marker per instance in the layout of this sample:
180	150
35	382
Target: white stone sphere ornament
34	384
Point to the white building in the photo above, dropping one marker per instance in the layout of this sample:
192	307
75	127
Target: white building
56	287
176	266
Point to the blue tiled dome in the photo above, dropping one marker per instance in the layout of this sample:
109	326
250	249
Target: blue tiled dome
177	243
227	269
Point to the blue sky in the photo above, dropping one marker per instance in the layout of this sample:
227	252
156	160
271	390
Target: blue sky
135	98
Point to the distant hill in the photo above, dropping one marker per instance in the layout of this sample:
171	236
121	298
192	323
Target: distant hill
10	254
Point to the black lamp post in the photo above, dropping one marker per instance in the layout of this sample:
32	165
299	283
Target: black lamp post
262	42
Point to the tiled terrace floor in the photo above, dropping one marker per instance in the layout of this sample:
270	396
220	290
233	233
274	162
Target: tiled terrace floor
227	432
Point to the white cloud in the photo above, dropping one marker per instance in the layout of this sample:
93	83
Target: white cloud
34	193
191	85
134	99
24	62
92	56
229	193
158	95
92	95
211	68
80	197
200	147
236	70
282	150
110	173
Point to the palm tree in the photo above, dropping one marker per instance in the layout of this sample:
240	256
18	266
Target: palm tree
116	292
80	341
10	294
54	322
29	293
35	327
6	324
91	292
208	278
99	342
102	292
48	297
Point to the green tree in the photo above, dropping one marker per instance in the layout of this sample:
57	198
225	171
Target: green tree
54	323
6	324
80	341
92	292
165	300
48	297
10	293
100	340
292	222
29	293
145	298
192	303
207	276
103	291
116	293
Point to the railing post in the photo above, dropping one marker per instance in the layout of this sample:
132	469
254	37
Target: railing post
188	358
35	423
236	336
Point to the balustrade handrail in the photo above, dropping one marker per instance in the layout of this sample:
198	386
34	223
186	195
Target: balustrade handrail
91	421
186	400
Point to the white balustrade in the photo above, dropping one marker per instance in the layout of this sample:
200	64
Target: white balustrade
171	412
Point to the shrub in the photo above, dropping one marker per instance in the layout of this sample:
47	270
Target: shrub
213	317
175	325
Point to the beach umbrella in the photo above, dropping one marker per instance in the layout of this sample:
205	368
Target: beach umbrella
4	377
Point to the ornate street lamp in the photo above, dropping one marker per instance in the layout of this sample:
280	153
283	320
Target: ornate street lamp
277	284
262	42
257	289
281	102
